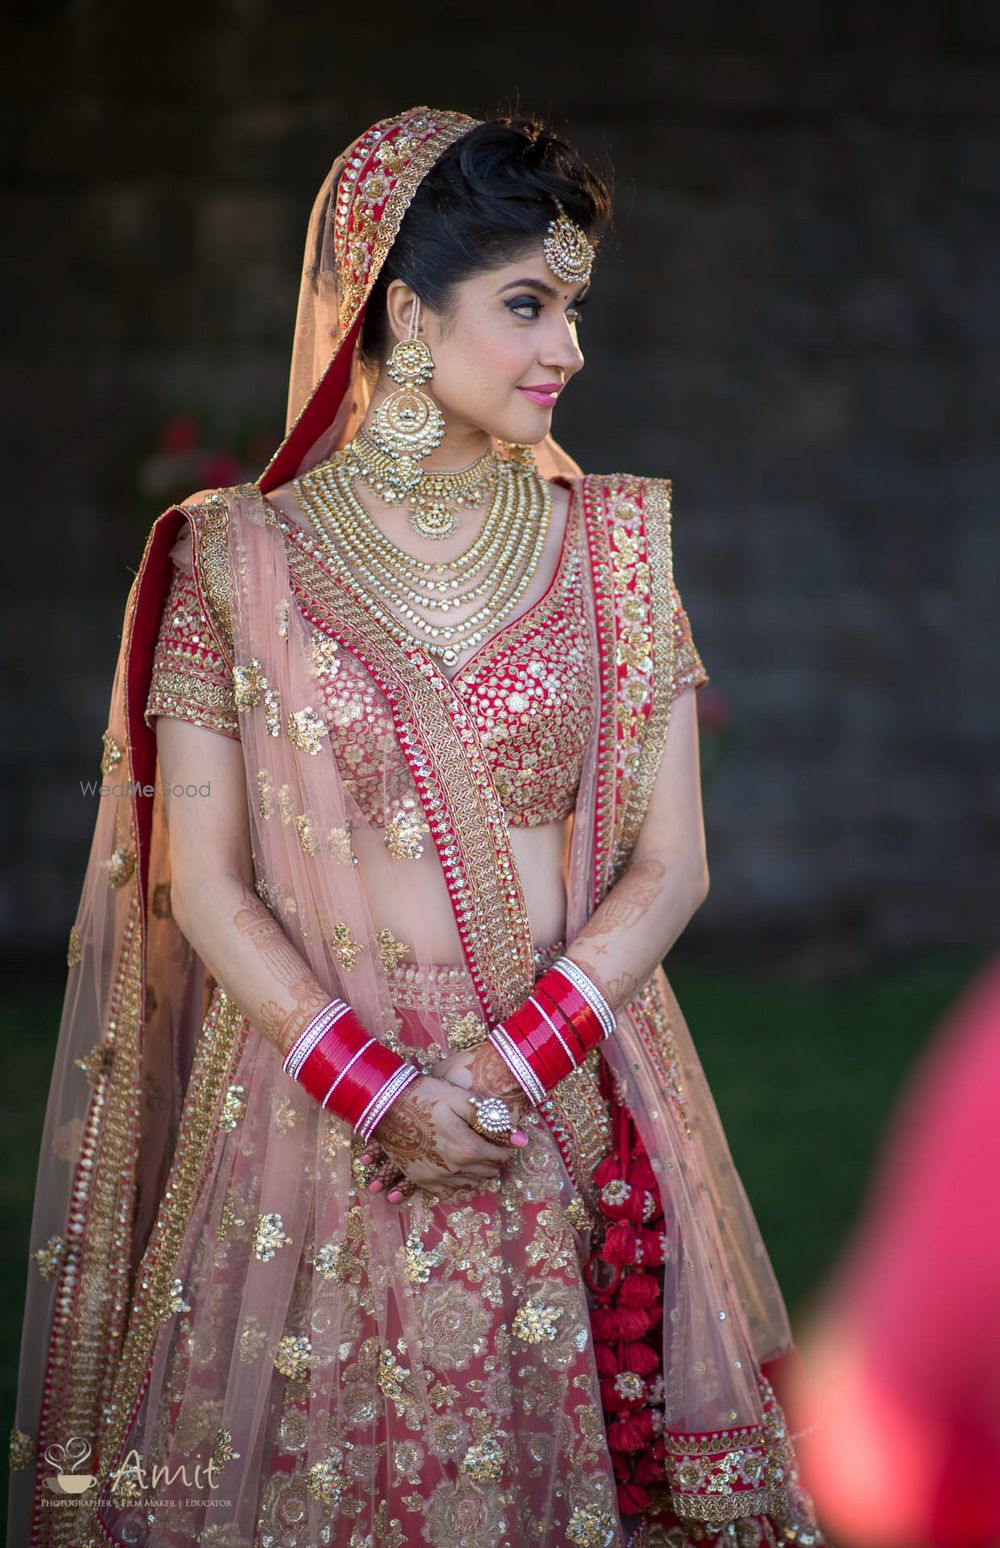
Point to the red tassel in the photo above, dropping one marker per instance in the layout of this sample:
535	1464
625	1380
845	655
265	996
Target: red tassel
632	1433
649	1468
621	1467
641	1175
650	1248
614	1322
620	1244
605	1357
627	1309
639	1290
638	1357
632	1500
612	1403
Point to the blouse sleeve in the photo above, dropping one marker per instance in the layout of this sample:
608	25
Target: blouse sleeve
191	677
689	670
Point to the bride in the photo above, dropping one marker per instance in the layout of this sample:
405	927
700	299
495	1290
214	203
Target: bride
382	1199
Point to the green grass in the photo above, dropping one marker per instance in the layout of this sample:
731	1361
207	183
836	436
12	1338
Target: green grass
803	1075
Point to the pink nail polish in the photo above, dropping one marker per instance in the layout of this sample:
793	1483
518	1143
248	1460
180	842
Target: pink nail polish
518	1139
394	1197
376	1186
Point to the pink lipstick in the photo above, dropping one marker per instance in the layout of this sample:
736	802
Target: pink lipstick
543	393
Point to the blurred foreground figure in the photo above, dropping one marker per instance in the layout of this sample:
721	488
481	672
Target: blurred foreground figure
905	1355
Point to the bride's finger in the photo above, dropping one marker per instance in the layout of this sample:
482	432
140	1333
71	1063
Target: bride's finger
387	1174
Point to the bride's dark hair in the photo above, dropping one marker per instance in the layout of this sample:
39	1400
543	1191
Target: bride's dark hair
487	197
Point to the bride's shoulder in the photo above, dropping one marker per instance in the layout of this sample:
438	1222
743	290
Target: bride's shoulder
621	485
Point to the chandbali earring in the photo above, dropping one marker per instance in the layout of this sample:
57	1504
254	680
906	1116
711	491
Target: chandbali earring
409	425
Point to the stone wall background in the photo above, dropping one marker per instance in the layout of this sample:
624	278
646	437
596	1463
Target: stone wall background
798	323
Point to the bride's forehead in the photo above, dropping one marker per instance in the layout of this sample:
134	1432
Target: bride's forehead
527	266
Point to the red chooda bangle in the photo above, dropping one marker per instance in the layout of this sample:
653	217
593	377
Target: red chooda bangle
551	1034
347	1070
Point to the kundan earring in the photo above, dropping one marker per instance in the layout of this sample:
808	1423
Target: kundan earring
408	423
407	426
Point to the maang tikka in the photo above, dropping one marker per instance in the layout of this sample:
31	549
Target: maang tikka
569	252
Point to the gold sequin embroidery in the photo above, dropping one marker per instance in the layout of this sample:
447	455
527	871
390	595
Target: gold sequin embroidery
390	950
346	948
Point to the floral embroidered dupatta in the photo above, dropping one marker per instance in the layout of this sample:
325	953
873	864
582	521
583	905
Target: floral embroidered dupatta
199	1234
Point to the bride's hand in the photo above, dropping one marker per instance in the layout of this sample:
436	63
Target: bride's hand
428	1137
482	1070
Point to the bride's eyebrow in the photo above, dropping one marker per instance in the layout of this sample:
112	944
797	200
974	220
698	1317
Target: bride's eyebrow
540	287
530	284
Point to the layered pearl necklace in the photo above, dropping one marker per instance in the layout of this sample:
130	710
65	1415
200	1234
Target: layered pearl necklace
498	565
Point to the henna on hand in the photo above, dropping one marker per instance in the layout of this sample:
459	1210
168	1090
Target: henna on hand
489	1074
406	1132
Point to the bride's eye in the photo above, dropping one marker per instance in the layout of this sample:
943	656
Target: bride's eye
521	302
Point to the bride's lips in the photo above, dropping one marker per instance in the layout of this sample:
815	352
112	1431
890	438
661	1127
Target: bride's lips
543	393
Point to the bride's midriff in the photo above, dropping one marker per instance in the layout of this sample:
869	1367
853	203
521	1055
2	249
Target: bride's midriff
411	900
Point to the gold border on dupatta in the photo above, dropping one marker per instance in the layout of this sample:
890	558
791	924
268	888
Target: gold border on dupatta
594	494
656	493
449	128
220	1045
92	1292
631	561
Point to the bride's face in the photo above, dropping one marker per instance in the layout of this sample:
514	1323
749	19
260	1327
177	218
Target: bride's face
503	350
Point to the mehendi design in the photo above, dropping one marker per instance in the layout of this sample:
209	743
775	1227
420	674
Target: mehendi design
488	1073
620	990
407	1131
278	1021
268	939
283	1026
628	901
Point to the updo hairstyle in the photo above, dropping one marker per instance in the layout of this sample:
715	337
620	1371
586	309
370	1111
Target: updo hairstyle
490	194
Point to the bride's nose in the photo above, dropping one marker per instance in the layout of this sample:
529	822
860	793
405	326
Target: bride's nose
562	352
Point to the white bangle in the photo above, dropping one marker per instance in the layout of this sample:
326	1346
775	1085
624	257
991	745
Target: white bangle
310	1036
517	1064
593	996
384	1099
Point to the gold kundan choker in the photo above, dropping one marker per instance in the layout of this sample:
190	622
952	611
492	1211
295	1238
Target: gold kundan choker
433	495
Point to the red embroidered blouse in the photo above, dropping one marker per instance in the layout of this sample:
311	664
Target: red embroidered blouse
530	689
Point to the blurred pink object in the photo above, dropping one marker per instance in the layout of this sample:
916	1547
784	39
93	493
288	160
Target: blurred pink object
904	1356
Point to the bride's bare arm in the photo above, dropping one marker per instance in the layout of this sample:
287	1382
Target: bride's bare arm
247	951
666	880
645	911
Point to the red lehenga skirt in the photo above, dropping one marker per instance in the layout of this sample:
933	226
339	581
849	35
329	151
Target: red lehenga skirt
618	1222
515	1390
